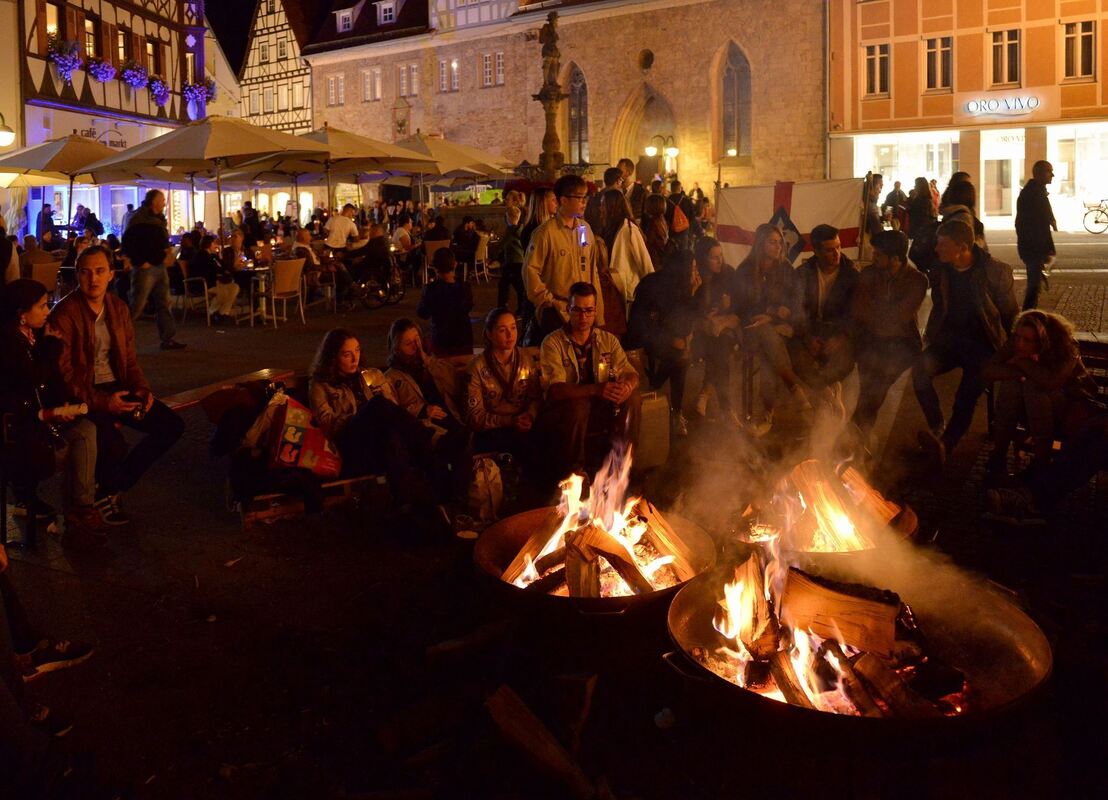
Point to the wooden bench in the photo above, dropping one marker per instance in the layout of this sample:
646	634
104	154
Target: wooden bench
269	508
193	397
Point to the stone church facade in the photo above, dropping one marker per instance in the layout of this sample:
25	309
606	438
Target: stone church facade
736	86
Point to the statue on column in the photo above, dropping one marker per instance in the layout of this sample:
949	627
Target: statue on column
550	96
551	56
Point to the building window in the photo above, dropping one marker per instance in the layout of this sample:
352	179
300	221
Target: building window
940	62
152	57
268	97
736	104
282	49
386	13
455	78
54	17
877	69
486	69
122	45
92	37
413	80
264	53
298	95
330	91
283	97
255	103
345	21
499	69
402	81
190	67
1080	50
578	118
340	89
371	86
269	6
448	75
1006	57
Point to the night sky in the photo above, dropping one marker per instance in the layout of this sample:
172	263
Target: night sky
231	23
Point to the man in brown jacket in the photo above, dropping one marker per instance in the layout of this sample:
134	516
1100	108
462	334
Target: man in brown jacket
99	366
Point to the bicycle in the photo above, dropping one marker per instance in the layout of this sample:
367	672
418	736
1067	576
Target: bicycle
375	290
1096	218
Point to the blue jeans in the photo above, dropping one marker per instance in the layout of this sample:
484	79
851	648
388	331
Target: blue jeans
940	358
153	281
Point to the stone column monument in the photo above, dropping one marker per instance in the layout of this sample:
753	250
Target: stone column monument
551	95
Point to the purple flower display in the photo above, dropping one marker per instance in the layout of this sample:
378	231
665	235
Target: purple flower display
134	75
66	56
100	69
195	92
159	90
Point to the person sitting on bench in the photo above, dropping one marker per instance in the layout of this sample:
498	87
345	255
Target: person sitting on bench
100	367
356	408
590	387
1038	377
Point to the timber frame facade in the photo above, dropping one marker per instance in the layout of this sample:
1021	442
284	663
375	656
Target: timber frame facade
275	82
164	36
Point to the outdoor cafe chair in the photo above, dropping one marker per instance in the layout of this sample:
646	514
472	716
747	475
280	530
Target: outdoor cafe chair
429	250
46	273
481	258
287	285
195	293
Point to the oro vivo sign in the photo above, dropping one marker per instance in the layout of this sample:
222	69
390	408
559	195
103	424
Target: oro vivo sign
1012	106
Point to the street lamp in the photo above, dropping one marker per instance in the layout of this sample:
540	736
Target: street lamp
669	146
7	135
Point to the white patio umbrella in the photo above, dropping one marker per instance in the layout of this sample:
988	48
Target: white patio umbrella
451	159
347	155
207	147
66	158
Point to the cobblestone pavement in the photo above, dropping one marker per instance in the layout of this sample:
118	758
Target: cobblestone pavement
290	661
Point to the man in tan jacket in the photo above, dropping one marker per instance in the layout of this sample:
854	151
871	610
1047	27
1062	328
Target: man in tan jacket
562	252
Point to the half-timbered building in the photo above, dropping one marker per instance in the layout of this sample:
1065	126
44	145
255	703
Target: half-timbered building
275	82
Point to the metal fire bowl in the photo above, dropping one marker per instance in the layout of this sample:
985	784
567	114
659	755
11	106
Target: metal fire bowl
499	544
1003	653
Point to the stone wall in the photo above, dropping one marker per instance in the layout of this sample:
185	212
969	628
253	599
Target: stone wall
783	42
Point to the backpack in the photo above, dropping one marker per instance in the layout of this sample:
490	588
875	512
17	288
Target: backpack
922	251
680	221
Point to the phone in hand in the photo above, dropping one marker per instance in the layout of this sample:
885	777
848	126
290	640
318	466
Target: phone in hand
582	236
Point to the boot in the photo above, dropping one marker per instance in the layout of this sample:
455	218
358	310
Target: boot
85	529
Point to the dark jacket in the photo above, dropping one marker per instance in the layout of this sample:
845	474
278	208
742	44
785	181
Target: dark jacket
1034	219
24	369
145	243
46	223
447	305
994	299
464	244
512	244
683	202
1064	371
658	316
755	294
73	322
838	319
635	198
144	215
921	211
887	306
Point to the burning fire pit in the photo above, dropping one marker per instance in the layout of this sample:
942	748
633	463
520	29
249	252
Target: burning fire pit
779	634
601	553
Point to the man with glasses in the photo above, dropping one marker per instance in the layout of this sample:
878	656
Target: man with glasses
562	252
590	385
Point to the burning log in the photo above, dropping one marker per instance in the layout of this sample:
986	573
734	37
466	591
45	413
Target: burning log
547	583
751	612
588	544
781	667
851	683
550	560
888	687
527	732
665	538
825	525
857	615
901	519
533	546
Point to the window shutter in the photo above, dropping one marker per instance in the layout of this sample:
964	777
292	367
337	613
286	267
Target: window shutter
168	69
40	26
72	30
107	42
138	49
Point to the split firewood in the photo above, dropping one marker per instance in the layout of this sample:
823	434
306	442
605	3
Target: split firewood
533	546
474	641
527	732
665	538
852	685
582	567
599	541
781	667
825	525
857	615
550	560
887	686
758	628
547	583
868	498
578	690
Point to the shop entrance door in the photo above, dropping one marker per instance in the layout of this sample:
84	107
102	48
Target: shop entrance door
1001	186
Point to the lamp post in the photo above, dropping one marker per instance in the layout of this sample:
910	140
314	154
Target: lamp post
668	149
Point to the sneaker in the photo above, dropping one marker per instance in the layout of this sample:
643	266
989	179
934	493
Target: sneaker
47	721
702	404
173	344
1012	506
933	447
85	529
680	425
41	509
110	511
55	655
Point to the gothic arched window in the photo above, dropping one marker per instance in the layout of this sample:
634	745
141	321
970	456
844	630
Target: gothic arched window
578	118
736	104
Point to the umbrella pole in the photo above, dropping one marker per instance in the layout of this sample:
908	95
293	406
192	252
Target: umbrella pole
330	202
69	205
219	201
296	198
192	200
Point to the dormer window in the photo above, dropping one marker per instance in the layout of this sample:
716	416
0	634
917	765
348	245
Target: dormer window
386	13
345	22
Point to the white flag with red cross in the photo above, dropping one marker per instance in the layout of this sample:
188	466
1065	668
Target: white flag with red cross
794	208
